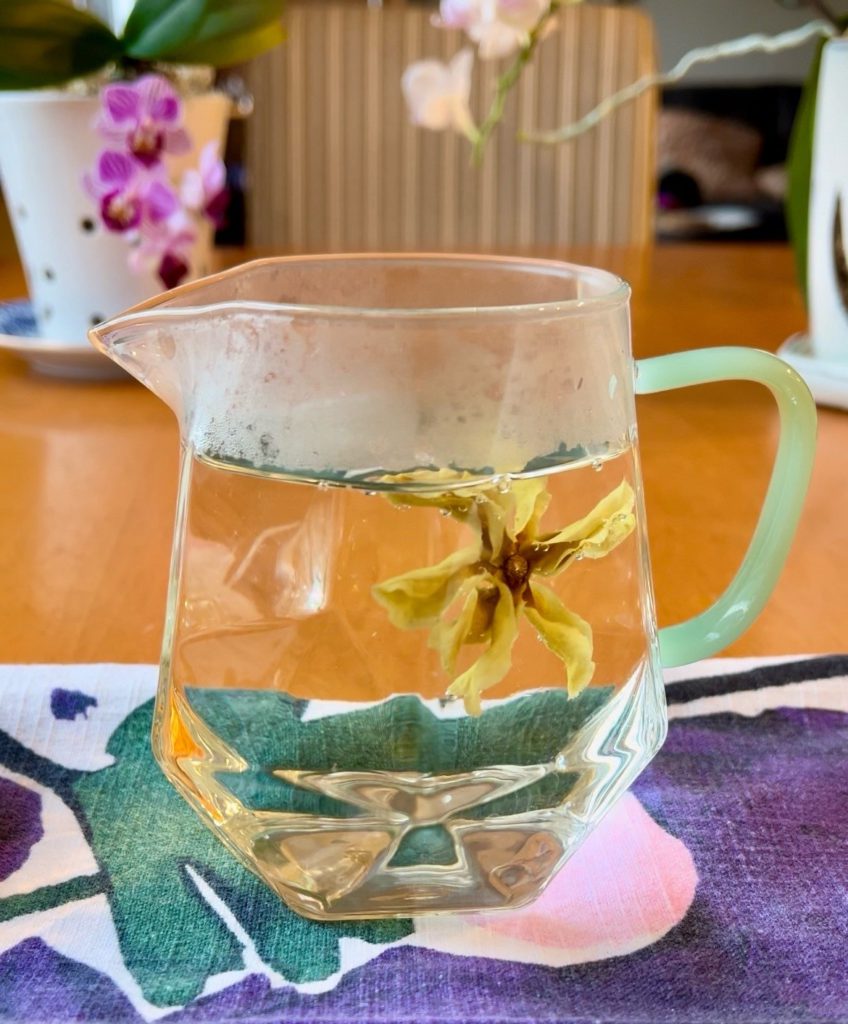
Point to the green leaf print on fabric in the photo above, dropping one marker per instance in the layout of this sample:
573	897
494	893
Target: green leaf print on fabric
397	735
144	835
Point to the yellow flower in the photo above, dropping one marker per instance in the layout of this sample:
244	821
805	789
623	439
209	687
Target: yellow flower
478	594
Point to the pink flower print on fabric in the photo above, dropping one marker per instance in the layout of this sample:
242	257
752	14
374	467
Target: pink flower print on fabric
626	886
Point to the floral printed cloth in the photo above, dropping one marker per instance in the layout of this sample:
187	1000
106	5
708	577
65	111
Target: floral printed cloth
716	890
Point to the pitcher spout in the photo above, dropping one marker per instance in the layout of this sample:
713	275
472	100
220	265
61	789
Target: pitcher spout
184	343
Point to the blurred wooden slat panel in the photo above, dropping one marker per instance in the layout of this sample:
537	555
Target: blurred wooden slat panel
335	165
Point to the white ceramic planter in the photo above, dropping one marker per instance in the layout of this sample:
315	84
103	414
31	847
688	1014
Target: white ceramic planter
821	356
76	270
828	257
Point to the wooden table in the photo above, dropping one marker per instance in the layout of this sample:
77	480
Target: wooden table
89	478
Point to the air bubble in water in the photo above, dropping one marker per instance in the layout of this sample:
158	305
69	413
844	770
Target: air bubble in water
370	494
323	485
503	484
597	465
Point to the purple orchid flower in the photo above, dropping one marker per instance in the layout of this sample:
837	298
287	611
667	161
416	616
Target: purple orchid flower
165	245
142	122
114	185
128	194
144	116
204	189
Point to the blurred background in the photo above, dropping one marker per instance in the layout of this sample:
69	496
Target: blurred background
329	161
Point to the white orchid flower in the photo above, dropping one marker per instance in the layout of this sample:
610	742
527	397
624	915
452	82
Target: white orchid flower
438	94
498	27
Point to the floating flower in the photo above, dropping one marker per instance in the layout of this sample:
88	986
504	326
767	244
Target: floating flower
204	188
144	116
477	595
438	94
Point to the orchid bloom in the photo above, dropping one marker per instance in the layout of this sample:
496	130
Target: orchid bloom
165	246
144	116
141	122
204	189
114	185
129	197
498	27
478	594
438	94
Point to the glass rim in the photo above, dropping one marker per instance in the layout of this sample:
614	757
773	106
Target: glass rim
615	291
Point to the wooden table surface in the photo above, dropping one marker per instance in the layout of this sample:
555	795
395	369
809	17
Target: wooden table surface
90	473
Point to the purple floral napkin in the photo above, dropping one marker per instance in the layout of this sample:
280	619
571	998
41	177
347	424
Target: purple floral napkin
716	890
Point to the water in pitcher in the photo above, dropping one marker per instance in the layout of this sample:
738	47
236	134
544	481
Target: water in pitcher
405	691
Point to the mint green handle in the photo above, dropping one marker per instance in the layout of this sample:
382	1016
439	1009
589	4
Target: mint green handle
718	626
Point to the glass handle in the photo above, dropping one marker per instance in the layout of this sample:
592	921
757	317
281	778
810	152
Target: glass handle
721	623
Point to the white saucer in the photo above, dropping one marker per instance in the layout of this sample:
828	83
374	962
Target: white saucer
51	358
826	378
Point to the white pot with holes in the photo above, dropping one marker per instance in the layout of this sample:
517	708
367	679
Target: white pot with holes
77	271
821	356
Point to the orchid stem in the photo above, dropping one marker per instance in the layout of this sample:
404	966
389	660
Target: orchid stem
507	82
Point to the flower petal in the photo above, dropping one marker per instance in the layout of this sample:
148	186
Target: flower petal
121	104
491	514
216	209
172	269
426	85
494	663
523	15
160	201
459	503
531	500
478	597
496	39
457	13
212	169
115	170
191	190
447	637
176	141
563	632
419	597
437	94
158	99
610	522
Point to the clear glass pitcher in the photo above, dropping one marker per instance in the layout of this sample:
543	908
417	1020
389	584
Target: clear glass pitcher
411	654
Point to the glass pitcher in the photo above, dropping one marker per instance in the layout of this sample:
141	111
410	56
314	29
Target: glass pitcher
410	654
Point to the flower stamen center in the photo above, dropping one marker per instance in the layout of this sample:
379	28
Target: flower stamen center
516	570
121	209
145	141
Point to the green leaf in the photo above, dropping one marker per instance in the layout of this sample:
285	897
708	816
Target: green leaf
225	16
216	32
234	49
48	42
800	167
156	26
144	836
